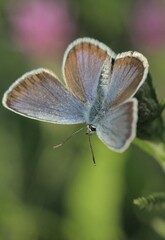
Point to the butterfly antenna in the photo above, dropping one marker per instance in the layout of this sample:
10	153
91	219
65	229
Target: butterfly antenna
68	138
93	157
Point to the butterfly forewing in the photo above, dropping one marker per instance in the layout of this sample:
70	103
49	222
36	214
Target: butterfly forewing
39	95
117	127
129	72
82	66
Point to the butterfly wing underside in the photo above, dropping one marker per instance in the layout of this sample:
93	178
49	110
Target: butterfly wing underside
40	95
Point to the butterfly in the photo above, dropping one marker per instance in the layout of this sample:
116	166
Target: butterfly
98	90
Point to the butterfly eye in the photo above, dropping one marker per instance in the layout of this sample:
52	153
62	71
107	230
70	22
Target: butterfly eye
91	129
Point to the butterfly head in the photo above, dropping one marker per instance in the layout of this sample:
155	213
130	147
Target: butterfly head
91	129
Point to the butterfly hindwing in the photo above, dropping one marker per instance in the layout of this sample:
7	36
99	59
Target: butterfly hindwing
117	127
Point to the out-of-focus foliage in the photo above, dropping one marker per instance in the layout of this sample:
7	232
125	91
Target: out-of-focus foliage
48	193
155	200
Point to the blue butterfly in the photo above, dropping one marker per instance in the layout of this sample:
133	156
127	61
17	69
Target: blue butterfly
99	89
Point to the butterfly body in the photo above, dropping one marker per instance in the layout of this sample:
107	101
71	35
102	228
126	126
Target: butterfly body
98	90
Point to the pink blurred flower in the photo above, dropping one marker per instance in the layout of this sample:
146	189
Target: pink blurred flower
148	24
41	28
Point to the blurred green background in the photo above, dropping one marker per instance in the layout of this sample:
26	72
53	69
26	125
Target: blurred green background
49	194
